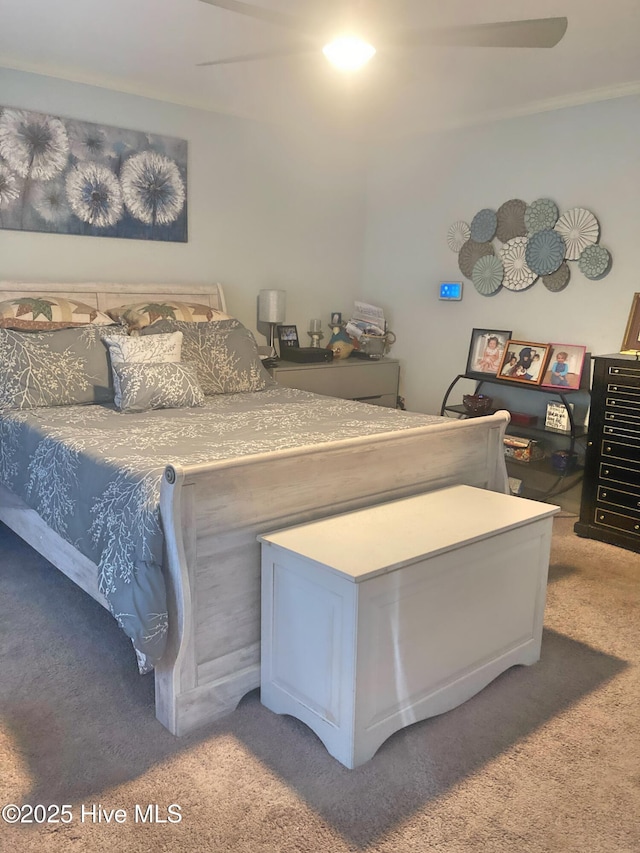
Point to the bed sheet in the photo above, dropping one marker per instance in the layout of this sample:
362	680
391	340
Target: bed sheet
94	474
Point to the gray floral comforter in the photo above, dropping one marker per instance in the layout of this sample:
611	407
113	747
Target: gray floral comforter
94	476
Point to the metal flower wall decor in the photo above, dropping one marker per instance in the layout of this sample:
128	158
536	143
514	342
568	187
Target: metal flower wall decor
521	243
75	177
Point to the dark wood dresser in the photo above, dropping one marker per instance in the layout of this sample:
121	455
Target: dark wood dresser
610	507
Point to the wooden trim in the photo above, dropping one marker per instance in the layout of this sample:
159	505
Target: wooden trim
103	295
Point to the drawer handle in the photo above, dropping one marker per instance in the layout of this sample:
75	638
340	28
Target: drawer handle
601	518
604	494
608	449
606	473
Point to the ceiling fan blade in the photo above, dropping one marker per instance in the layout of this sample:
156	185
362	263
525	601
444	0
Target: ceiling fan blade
537	32
292	50
270	16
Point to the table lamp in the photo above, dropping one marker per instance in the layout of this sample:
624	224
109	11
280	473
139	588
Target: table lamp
271	310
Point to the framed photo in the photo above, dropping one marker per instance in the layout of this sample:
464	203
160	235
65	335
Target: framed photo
564	368
287	337
485	351
336	318
631	342
523	361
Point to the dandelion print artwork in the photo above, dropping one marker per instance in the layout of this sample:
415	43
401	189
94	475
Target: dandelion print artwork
94	194
67	176
152	187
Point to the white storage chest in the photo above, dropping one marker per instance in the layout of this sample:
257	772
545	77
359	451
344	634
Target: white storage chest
378	618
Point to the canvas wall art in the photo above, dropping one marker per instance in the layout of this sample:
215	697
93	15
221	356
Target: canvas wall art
74	177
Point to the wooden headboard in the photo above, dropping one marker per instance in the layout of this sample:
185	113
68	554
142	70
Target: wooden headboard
102	295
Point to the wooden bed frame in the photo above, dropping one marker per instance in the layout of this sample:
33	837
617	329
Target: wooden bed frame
212	514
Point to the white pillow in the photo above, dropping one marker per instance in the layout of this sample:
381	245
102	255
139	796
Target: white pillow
156	349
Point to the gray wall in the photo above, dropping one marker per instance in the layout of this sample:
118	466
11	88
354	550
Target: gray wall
267	208
585	156
275	208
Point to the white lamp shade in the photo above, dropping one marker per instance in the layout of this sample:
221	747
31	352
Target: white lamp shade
271	306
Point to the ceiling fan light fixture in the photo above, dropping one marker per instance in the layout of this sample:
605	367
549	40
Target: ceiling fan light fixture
348	53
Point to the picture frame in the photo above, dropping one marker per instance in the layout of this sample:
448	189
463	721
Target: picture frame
570	360
287	337
631	340
524	362
336	318
484	357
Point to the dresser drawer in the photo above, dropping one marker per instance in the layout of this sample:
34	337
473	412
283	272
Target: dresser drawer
624	474
618	395
629	433
631	370
369	381
627	417
624	409
619	450
619	497
617	521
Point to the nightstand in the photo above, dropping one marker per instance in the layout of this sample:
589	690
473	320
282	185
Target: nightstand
367	380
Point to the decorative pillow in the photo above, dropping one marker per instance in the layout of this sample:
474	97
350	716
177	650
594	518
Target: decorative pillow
158	386
153	350
225	355
44	313
56	368
141	314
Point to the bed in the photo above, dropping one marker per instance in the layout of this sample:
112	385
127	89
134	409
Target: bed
212	507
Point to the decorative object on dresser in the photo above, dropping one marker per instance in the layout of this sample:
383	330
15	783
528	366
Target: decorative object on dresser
315	332
485	351
631	341
287	338
340	344
610	506
523	361
74	177
272	310
564	367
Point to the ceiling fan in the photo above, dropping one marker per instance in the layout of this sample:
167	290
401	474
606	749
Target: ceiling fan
358	28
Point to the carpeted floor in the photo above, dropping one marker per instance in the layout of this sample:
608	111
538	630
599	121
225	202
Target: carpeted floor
545	759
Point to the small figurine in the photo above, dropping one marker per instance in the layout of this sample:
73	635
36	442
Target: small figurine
340	343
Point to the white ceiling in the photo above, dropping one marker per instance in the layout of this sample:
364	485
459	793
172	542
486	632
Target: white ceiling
151	47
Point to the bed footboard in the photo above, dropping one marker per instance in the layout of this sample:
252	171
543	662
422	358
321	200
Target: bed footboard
212	514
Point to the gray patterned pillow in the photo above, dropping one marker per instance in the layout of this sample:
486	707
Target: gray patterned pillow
162	348
168	385
225	354
56	368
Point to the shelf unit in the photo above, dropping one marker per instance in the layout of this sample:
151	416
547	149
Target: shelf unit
540	480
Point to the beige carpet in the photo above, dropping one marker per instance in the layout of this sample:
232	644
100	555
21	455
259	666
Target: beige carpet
546	758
